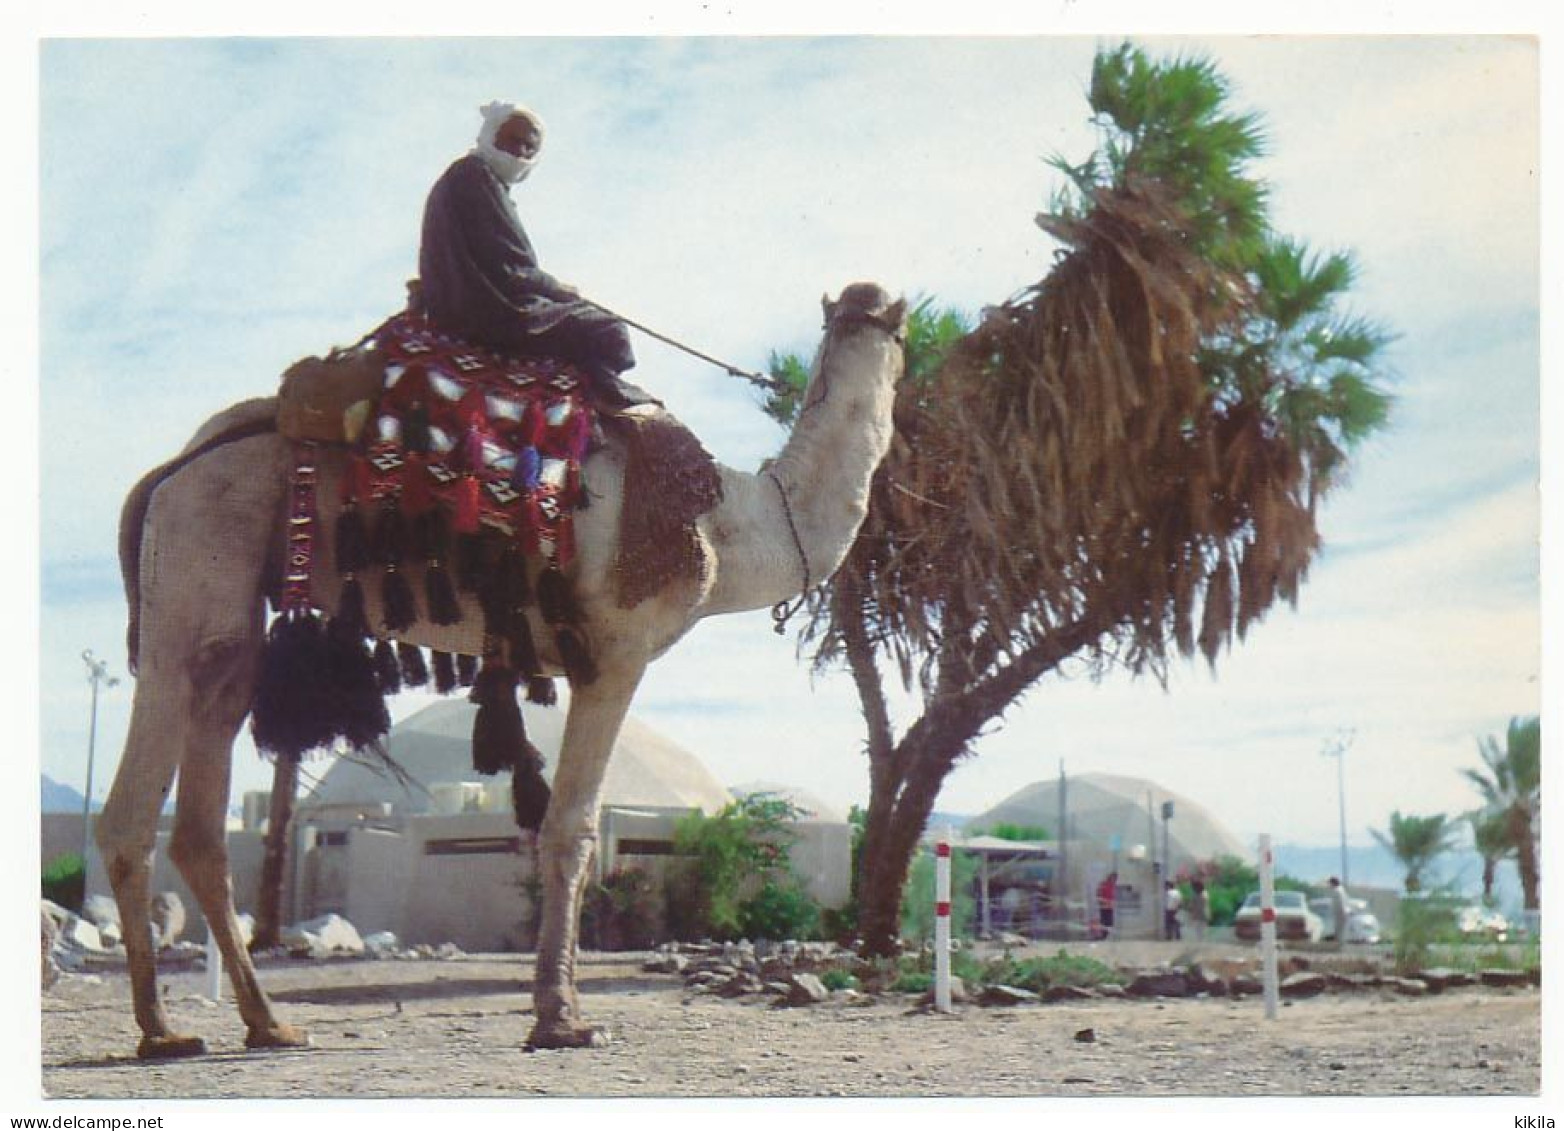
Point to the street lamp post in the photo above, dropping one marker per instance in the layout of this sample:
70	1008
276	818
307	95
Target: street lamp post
1336	748
97	673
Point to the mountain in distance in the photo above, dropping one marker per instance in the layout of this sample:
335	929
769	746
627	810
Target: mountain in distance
58	798
1377	867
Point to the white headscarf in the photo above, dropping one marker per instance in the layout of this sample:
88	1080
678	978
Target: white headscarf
506	166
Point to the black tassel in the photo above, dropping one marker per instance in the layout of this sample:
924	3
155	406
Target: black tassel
350	609
579	665
441	598
466	669
529	791
397	595
444	672
513	569
390	541
291	712
431	535
387	670
410	658
499	735
540	690
352	542
468	560
555	599
360	716
523	652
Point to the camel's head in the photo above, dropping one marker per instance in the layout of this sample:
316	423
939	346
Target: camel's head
867	304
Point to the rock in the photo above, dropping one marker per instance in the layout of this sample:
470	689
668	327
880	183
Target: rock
1159	984
55	912
1504	978
1111	990
1303	984
168	919
1006	995
1410	987
1086	1036
1011	939
100	910
328	935
958	993
1202	980
778	989
79	935
739	985
49	933
446	950
1442	978
1244	984
382	944
806	989
1068	993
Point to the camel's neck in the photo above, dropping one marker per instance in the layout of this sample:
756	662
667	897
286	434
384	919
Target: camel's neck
809	502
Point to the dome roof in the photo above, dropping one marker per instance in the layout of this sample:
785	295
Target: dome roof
1104	806
812	807
434	746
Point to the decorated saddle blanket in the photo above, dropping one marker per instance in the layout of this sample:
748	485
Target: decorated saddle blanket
495	442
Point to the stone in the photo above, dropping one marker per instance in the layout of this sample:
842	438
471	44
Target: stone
739	985
958	993
1111	990
1159	984
1068	993
382	944
1001	995
1410	987
1202	980
806	989
1086	1036
1303	984
328	935
168	919
1011	939
1245	984
778	989
100	910
49	933
1504	978
1442	978
79	935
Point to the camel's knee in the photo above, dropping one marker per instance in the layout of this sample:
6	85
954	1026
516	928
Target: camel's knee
193	848
222	671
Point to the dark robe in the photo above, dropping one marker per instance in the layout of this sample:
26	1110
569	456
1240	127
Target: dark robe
480	280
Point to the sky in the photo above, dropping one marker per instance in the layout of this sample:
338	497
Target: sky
212	209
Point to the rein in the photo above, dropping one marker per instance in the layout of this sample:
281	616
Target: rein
758	379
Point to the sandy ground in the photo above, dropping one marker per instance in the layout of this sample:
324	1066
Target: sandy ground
456	1028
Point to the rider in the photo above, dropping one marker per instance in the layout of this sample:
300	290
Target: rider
479	275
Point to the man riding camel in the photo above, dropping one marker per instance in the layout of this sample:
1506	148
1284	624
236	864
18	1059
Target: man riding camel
479	275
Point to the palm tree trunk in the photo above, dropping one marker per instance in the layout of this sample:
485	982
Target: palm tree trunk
1526	862
268	910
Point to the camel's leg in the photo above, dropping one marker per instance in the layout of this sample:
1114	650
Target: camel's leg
127	837
566	843
199	845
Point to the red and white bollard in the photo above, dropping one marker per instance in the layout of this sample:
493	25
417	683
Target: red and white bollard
942	923
1268	927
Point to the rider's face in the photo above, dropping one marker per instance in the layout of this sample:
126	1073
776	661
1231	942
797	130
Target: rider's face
519	137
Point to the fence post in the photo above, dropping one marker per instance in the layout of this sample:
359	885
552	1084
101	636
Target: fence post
942	922
1268	927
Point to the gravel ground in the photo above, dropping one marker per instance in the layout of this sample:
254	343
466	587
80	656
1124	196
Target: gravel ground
456	1028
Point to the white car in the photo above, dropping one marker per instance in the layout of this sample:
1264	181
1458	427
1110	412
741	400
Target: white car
1294	919
1482	922
1362	924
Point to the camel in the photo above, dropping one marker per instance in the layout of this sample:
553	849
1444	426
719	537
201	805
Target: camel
202	540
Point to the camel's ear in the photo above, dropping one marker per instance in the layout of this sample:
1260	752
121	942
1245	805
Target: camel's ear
898	313
827	307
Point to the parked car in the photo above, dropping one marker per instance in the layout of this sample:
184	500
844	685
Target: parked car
1294	921
1362	924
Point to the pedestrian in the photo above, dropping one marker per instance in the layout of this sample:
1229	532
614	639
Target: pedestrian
1107	893
1338	904
1172	901
1199	908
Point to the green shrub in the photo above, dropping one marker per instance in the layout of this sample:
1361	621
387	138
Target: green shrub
1422	924
1043	973
917	901
912	982
780	911
623	911
65	881
835	979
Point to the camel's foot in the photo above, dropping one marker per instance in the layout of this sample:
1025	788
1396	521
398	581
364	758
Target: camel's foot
170	1047
278	1036
565	1035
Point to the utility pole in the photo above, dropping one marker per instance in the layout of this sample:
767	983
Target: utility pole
1336	747
97	673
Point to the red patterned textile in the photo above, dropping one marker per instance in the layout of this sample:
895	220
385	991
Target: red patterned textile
494	441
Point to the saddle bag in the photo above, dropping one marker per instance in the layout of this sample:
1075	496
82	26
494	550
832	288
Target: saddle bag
329	398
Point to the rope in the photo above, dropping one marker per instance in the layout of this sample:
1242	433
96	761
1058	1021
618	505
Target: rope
782	611
757	379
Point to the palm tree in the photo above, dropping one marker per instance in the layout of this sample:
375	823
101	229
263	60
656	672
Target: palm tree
1491	839
1512	791
1116	468
1417	842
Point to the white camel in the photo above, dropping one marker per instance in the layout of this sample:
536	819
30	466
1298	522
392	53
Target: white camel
204	543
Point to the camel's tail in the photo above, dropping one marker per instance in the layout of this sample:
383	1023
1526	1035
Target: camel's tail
248	418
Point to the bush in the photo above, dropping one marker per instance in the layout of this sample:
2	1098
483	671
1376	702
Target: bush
1040	974
917	901
1421	924
624	911
1229	881
835	979
780	911
65	881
